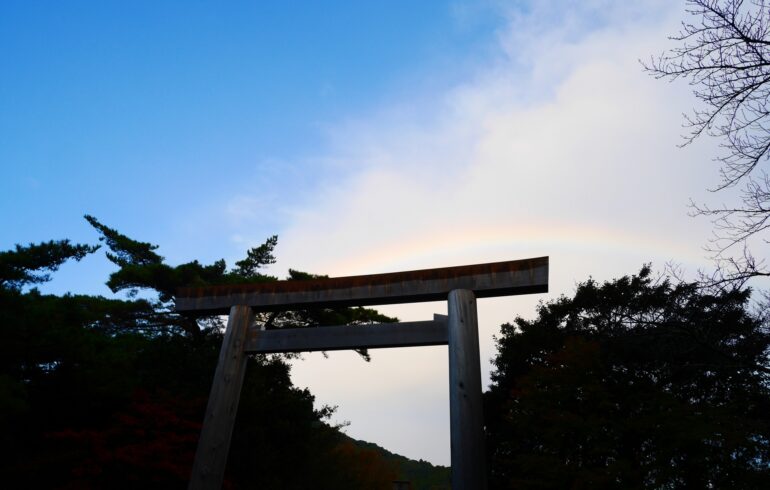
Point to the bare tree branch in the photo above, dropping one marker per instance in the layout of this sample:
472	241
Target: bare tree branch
724	53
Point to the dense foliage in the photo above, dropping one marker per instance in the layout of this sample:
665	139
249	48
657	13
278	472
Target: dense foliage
110	393
635	383
421	474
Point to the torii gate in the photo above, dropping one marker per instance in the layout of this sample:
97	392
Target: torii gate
460	286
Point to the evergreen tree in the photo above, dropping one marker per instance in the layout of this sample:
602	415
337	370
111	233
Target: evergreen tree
635	383
110	393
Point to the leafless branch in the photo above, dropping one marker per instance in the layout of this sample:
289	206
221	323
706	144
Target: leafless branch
724	53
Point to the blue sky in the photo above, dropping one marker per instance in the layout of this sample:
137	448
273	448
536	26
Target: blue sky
150	114
371	137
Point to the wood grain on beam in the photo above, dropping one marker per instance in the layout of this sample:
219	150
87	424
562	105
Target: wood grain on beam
485	280
406	334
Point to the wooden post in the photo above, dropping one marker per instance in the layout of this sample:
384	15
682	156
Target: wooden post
211	456
465	411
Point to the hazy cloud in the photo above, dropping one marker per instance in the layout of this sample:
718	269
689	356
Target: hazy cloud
557	145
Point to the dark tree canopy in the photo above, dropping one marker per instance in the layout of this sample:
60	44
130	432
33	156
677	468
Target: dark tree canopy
110	393
723	50
140	268
634	383
28	264
256	258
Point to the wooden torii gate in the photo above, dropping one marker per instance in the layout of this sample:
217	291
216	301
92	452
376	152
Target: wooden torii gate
460	286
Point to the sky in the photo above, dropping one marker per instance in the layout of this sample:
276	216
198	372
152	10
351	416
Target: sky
370	137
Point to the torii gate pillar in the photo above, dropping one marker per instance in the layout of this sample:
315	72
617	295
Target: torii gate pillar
465	406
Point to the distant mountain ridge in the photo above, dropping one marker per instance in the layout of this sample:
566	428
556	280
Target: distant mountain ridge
421	474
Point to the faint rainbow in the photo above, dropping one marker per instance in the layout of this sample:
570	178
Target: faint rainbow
492	243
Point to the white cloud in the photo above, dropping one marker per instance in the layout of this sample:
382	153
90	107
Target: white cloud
560	146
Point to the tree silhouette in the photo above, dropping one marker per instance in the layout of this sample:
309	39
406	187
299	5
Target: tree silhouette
110	393
634	383
141	268
724	53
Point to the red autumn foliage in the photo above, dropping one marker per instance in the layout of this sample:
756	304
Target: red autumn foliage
151	442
